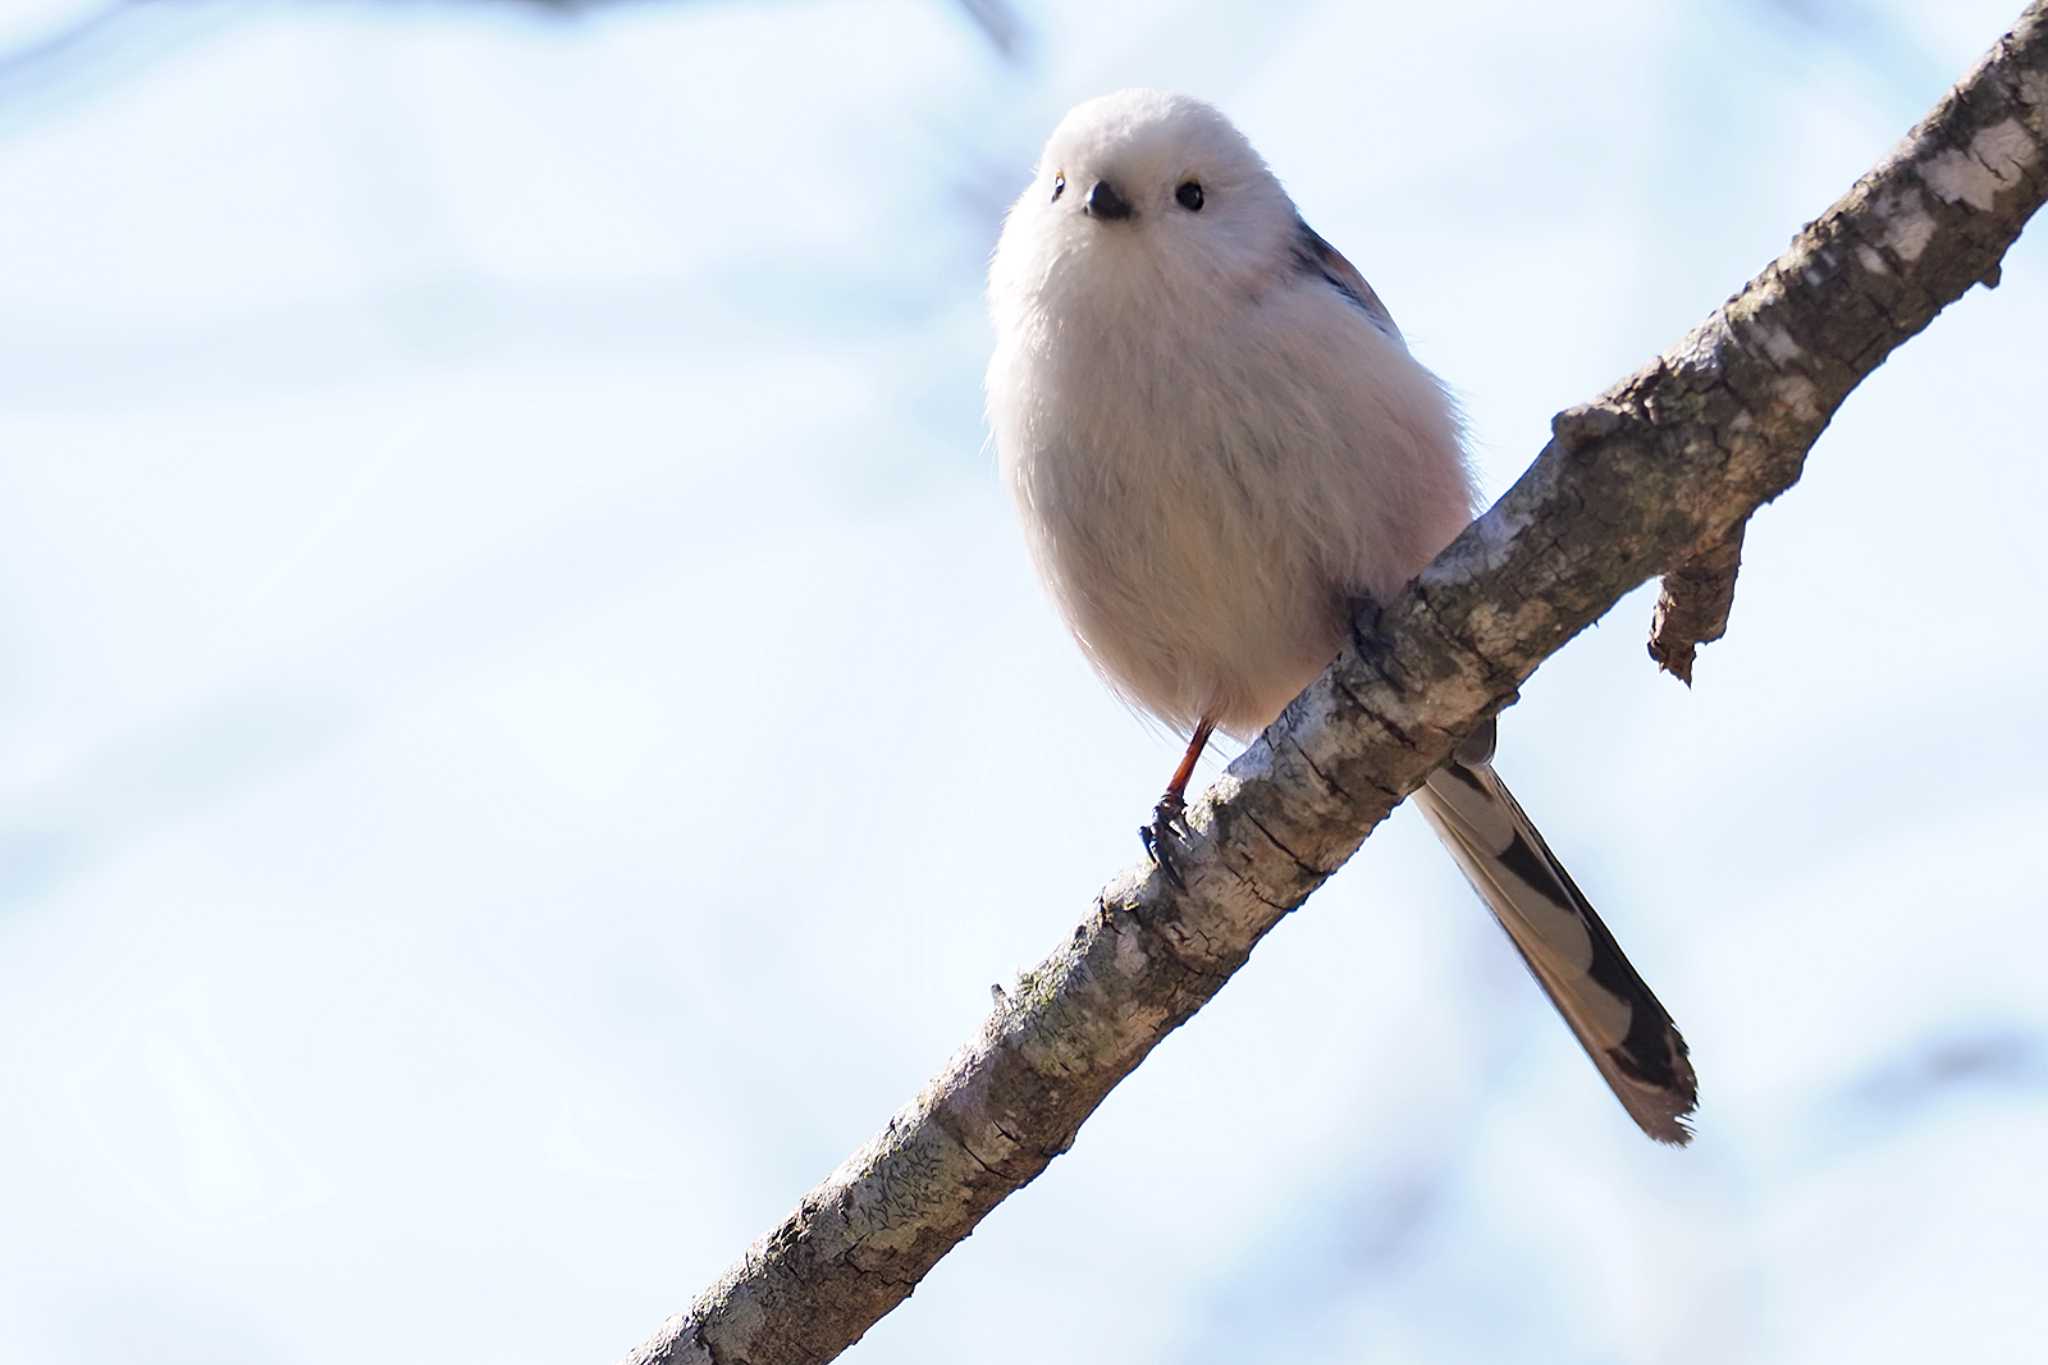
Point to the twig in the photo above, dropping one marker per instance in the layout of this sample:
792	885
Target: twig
1692	610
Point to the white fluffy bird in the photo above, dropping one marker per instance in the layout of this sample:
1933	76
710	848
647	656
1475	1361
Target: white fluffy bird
1218	443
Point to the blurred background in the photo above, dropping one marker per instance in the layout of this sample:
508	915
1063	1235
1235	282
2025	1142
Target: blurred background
514	655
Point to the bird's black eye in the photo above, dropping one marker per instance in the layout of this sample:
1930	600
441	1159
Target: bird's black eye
1190	195
1059	186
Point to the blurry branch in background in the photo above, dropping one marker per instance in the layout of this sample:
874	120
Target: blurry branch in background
996	20
2007	1058
1880	45
999	23
1671	461
60	40
74	38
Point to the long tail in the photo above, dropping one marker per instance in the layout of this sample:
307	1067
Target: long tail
1569	951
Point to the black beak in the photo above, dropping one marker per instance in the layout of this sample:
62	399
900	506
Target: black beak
1105	202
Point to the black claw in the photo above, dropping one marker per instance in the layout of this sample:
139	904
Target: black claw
1158	837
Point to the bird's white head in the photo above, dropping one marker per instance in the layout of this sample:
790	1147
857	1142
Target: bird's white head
1138	192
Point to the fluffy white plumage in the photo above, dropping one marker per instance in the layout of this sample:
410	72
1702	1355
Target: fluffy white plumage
1178	407
1218	442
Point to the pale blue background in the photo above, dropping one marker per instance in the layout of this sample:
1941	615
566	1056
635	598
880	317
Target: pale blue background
515	659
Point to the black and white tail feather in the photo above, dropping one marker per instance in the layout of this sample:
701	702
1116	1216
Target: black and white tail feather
1623	1028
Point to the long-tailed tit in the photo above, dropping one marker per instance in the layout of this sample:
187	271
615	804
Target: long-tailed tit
1218	443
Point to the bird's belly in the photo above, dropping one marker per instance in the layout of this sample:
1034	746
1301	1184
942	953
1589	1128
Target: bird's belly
1189	597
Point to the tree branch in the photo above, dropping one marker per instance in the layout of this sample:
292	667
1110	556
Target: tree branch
1675	457
1692	610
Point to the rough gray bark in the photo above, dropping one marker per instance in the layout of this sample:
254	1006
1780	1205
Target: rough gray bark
1692	610
1661	467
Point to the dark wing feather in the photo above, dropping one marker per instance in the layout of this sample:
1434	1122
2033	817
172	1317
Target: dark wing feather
1314	256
